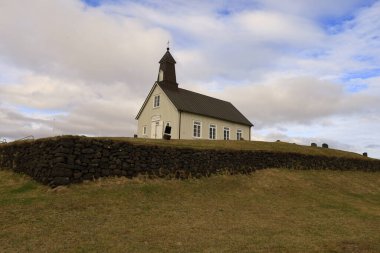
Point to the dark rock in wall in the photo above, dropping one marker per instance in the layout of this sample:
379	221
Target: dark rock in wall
59	181
61	172
87	151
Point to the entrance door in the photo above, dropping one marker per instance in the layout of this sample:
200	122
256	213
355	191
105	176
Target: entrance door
156	130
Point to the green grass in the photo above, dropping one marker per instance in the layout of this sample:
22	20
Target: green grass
271	210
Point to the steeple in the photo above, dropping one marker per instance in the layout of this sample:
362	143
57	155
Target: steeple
166	72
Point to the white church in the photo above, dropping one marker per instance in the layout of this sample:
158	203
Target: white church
182	114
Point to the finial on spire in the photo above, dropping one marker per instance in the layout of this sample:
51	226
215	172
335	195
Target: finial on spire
168	46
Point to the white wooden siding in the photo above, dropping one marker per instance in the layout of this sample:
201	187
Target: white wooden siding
187	120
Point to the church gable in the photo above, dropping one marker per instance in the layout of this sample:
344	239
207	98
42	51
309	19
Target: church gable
157	102
157	110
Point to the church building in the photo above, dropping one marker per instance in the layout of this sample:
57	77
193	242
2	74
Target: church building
182	114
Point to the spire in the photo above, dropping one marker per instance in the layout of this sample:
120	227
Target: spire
166	71
167	57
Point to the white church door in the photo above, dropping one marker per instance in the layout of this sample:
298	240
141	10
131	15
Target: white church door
156	130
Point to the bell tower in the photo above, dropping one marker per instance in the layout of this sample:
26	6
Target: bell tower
166	72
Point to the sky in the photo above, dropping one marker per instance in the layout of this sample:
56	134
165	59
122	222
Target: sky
301	71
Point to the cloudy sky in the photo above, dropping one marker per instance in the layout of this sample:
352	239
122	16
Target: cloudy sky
301	70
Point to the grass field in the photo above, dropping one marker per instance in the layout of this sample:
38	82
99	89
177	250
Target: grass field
271	210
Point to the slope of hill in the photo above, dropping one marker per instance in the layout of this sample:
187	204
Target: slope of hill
274	210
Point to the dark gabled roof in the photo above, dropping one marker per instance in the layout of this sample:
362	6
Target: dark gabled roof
188	101
167	57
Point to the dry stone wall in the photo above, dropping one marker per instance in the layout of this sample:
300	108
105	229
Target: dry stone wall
72	159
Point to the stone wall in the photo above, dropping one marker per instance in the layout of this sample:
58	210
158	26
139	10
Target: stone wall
72	159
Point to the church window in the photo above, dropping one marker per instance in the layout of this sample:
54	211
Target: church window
239	134
156	101
197	129
212	132
226	133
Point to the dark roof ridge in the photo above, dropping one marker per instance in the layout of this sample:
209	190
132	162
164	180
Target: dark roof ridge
167	85
206	95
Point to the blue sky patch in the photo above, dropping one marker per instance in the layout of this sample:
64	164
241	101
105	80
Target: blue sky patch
337	24
356	88
28	111
364	74
97	3
224	12
93	3
364	58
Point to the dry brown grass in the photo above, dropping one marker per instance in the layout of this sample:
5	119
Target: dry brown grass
269	211
221	144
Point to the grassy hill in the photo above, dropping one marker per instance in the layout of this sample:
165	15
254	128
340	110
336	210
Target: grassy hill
222	144
268	211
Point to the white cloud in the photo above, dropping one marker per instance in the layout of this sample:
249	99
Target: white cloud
302	100
65	39
43	92
354	49
76	107
72	69
272	27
